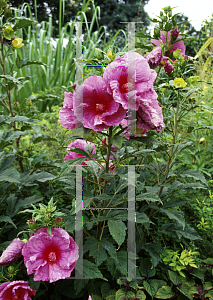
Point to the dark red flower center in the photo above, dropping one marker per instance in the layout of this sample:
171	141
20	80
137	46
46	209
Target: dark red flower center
126	86
51	254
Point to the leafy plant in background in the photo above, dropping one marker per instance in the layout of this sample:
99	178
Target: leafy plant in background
160	179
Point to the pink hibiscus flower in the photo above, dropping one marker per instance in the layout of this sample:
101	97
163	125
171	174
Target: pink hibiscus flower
50	257
12	252
16	290
78	144
155	57
123	83
66	115
100	111
149	114
178	45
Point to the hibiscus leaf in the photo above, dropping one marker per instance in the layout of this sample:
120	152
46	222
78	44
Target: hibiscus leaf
7	219
96	250
91	270
10	175
118	230
79	285
175	214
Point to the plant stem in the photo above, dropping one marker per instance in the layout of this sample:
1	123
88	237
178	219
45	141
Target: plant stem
167	166
105	180
19	159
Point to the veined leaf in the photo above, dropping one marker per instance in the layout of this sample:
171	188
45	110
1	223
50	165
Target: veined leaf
195	174
91	270
10	175
7	219
96	250
164	293
151	287
175	279
21	22
175	214
118	231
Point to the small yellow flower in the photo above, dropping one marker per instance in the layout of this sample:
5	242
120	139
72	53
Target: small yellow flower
201	140
109	53
179	83
17	43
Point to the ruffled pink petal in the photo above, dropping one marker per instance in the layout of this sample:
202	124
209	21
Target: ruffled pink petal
179	45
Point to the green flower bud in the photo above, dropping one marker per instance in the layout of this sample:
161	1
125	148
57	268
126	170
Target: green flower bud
32	224
8	13
29	102
98	53
11	270
8	33
16	106
156	33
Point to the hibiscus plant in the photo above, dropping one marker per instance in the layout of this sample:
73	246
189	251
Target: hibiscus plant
119	185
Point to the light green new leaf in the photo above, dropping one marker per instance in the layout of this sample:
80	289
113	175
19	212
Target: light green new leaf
118	231
164	293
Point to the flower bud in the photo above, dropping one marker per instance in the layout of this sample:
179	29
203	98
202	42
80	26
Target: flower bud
8	13
156	33
168	67
16	106
59	222
11	270
98	53
29	102
109	53
32	224
175	33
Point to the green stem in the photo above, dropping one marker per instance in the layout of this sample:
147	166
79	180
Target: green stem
105	180
10	104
